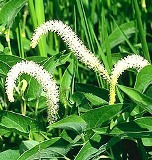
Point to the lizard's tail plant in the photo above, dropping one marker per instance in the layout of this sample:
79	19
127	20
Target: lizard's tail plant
42	76
73	42
132	61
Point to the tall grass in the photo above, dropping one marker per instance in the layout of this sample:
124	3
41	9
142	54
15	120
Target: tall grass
88	127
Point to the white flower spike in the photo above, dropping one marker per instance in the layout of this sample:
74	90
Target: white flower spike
132	61
42	76
73	42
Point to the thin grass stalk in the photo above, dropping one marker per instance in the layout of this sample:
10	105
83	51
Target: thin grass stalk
141	31
93	10
103	57
102	38
76	60
7	35
19	41
99	79
50	35
83	21
126	39
90	39
107	43
39	8
32	13
109	3
37	16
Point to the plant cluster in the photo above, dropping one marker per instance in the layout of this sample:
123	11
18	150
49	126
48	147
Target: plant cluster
81	103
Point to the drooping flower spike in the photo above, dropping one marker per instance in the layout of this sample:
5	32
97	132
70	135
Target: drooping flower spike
42	76
132	61
73	42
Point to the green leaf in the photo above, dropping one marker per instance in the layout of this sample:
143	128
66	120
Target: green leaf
87	150
73	122
93	148
96	117
95	100
116	37
144	79
56	147
147	141
4	131
95	95
66	84
9	11
50	63
26	145
16	123
10	60
40	103
34	89
139	128
63	59
102	130
81	101
4	68
9	154
6	62
66	136
37	59
139	98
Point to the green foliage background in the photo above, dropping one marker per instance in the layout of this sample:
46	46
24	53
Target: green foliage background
87	127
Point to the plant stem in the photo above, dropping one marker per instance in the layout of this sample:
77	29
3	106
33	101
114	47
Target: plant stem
37	16
107	43
141	31
32	13
7	34
23	107
19	41
39	9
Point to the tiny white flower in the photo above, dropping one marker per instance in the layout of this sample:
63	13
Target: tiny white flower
42	76
132	61
73	42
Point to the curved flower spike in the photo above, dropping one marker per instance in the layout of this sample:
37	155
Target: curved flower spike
73	42
132	61
42	76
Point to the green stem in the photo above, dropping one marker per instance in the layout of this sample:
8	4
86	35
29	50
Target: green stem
7	34
19	41
141	31
32	13
126	38
37	16
50	34
107	43
36	107
23	107
39	8
82	137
